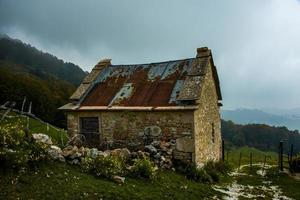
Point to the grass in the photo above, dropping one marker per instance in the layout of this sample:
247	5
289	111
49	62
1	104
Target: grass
288	185
233	156
58	136
61	181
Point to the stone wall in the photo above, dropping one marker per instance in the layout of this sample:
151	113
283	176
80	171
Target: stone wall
207	123
136	129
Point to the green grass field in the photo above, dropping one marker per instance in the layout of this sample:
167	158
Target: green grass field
233	156
62	181
58	136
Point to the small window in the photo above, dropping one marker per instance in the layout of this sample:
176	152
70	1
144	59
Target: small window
213	132
89	125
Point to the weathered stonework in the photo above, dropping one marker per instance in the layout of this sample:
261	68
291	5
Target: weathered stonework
137	129
207	123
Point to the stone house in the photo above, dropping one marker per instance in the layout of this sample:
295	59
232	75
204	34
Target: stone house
132	105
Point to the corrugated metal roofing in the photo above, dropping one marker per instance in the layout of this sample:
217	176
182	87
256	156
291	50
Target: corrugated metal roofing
156	84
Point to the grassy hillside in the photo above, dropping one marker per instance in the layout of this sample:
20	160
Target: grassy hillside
61	181
257	156
58	136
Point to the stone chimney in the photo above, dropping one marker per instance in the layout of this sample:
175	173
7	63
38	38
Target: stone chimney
102	64
203	52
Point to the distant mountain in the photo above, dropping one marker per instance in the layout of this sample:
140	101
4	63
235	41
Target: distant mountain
17	56
290	118
42	78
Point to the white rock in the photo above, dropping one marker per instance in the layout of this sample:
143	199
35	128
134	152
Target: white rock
42	138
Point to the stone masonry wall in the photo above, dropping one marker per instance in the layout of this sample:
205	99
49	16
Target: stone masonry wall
134	130
207	121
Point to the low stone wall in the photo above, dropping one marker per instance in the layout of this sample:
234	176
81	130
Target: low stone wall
135	130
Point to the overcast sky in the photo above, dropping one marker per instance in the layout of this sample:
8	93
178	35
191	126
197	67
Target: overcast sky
255	43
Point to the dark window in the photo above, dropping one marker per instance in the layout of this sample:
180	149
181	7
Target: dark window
213	132
89	125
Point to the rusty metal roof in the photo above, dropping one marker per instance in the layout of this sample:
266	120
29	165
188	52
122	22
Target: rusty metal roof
155	84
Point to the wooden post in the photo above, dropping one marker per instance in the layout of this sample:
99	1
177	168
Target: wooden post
280	156
223	151
240	159
291	152
251	160
264	165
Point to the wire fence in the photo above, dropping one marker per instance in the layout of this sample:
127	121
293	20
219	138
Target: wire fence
34	124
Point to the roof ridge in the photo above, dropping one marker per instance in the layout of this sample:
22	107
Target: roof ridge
153	63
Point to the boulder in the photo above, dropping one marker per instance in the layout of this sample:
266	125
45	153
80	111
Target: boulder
103	154
185	144
75	155
42	138
118	179
151	149
56	153
93	153
123	153
69	150
74	162
156	144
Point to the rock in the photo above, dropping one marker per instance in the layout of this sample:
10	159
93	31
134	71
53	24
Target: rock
151	149
103	154
152	131
133	155
74	162
56	153
185	144
69	150
42	138
119	179
75	155
157	156
122	153
93	153
156	144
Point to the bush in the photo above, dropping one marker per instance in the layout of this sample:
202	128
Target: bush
210	173
197	174
18	149
108	166
86	164
144	168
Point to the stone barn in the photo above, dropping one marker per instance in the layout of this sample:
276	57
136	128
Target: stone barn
133	105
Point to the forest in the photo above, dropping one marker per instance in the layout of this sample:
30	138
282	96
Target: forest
260	136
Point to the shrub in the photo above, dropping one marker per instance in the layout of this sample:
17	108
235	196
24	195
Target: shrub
86	164
18	149
108	166
197	174
144	168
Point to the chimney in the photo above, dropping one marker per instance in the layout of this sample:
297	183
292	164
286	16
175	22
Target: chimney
203	52
103	63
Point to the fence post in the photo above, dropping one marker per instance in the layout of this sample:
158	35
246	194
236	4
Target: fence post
291	152
223	151
280	156
240	159
251	161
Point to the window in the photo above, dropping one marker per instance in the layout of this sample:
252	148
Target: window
89	125
213	132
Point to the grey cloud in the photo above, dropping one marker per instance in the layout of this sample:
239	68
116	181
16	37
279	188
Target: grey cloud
256	43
